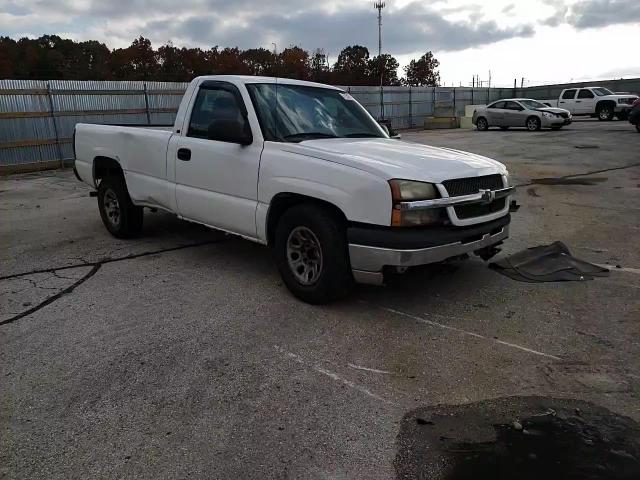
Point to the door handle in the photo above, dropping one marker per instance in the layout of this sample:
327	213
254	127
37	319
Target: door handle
561	102
184	154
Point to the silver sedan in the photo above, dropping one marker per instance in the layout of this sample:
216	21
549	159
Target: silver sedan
520	112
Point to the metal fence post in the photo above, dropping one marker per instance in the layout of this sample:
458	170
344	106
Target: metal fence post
146	104
454	102
55	125
410	110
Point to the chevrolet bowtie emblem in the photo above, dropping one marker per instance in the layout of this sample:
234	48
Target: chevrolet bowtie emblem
488	196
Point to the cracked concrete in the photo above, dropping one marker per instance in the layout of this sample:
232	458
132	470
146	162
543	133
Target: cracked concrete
155	358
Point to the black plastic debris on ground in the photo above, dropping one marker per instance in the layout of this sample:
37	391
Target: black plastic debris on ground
518	438
547	263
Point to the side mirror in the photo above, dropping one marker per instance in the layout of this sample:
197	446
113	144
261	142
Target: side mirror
231	131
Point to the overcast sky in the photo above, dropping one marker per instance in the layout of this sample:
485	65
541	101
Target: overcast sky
542	40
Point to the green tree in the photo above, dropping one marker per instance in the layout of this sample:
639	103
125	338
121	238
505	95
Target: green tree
259	61
423	72
385	68
352	66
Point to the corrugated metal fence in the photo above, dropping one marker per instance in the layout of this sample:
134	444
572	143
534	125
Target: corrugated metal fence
37	117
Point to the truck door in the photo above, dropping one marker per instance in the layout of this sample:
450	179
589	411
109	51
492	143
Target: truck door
567	100
585	102
216	181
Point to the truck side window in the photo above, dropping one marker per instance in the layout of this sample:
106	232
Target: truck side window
497	105
569	94
212	105
585	94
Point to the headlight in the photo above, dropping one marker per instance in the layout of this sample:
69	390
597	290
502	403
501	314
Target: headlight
548	114
409	191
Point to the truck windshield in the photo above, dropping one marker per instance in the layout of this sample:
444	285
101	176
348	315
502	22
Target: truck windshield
533	104
601	91
293	113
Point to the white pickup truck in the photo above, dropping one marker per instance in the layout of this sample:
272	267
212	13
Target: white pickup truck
594	101
303	168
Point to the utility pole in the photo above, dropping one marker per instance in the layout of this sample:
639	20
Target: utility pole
379	5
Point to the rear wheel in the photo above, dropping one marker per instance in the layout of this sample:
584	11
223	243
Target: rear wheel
605	112
533	124
121	217
311	254
482	124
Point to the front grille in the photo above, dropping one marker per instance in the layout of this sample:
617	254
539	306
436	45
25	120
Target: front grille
469	186
479	209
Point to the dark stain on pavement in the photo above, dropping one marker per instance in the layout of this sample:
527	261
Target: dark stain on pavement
568	181
522	438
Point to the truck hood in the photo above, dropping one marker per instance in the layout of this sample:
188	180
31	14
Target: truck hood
388	158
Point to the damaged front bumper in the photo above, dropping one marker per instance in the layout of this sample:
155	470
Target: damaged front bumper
372	248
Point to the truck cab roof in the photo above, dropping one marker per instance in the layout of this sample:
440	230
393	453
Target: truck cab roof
245	79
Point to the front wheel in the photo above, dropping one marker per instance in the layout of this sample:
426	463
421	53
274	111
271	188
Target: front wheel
311	254
605	113
533	124
482	124
121	217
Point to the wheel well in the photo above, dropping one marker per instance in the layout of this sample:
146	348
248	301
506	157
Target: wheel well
105	166
284	201
605	102
530	117
482	117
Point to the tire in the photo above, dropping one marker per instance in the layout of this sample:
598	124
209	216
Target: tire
604	112
482	124
311	253
533	124
119	215
504	128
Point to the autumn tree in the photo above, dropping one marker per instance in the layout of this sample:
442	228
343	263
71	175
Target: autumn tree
293	62
423	72
259	61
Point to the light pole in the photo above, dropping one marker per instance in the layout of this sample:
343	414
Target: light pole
379	5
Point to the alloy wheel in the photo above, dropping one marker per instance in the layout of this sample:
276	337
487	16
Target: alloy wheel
304	255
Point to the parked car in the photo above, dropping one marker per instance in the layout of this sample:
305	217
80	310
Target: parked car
594	101
634	116
520	112
303	168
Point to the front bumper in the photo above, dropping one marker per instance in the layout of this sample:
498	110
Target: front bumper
372	248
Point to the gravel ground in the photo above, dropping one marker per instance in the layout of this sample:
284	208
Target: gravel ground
181	354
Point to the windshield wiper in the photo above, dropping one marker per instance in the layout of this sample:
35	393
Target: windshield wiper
361	135
307	136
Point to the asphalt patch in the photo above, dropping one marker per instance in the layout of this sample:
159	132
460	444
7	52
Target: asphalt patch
523	438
